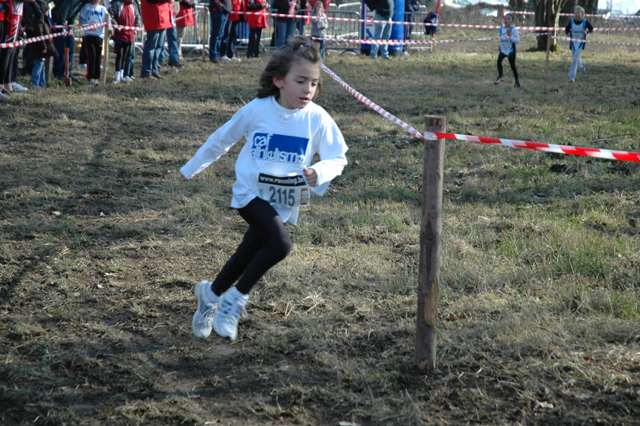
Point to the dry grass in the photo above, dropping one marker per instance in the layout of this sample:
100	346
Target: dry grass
102	241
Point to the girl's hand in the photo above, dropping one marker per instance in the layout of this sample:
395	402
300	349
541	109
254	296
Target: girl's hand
311	176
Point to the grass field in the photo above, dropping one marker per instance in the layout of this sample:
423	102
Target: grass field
102	241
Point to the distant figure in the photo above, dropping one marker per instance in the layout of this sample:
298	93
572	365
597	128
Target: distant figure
382	29
93	13
186	18
123	13
257	20
509	37
319	27
410	7
577	30
431	24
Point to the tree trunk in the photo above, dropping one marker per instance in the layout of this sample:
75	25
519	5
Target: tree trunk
547	16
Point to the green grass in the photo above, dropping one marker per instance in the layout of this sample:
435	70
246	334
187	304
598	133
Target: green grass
102	240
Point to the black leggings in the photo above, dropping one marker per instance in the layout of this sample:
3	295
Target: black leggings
123	51
512	61
92	48
265	243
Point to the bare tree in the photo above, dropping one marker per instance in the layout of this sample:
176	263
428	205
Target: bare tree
547	14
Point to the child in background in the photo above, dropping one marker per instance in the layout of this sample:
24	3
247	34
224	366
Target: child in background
509	37
319	26
577	30
93	13
257	20
186	18
12	14
123	13
283	129
236	18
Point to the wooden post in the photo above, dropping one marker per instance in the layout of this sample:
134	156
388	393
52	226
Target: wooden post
105	50
430	230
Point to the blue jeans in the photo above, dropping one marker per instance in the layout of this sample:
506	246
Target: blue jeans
37	73
216	34
285	28
153	44
576	62
58	61
382	31
128	65
172	43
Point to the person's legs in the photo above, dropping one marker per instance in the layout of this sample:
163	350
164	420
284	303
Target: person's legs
281	32
386	33
180	34
512	63
231	44
266	243
172	42
252	42
501	57
155	54
37	73
575	60
291	29
256	51
377	33
148	50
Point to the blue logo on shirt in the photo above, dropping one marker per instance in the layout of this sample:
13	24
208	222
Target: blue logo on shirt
280	148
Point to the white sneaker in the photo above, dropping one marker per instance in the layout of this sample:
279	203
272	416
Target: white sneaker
17	87
236	58
231	306
203	317
224	58
127	79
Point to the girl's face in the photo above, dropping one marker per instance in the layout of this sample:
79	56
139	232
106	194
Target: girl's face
507	20
299	86
579	15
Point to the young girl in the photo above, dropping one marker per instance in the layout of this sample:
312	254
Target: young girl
577	29
319	26
123	13
93	13
509	37
283	129
257	20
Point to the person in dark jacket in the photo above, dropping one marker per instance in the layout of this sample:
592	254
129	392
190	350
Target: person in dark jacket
36	23
219	14
410	7
284	26
382	29
64	12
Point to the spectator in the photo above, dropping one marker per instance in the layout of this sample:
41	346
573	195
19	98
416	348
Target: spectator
12	14
382	29
186	18
410	6
256	21
64	13
156	18
93	13
123	13
36	22
284	26
219	13
319	26
236	18
172	42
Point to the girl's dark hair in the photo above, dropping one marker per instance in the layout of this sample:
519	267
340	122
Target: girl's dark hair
279	64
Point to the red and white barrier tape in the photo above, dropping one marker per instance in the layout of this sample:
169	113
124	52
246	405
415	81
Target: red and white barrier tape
402	42
511	143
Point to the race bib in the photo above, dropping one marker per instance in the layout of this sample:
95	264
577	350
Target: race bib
285	191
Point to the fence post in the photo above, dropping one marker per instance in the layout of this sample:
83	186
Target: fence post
430	230
105	49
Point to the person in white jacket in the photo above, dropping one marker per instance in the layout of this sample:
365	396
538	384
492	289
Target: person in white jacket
509	37
283	129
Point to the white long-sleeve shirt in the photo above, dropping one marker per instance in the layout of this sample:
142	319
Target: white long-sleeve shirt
279	142
508	41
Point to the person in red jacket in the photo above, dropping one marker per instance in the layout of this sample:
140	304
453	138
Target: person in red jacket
123	13
156	17
257	20
11	14
236	18
186	18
